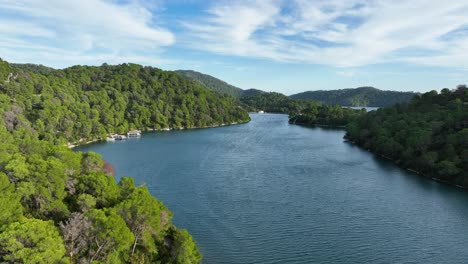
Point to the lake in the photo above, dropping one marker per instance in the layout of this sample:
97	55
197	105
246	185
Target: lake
271	192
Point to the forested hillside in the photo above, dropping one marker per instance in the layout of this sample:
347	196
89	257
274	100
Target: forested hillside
212	83
362	96
35	68
252	92
326	115
87	102
273	102
428	135
217	85
251	100
59	206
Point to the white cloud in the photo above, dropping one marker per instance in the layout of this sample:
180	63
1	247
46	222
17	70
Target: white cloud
344	33
99	28
234	25
339	33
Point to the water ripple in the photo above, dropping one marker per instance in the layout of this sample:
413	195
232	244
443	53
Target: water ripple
269	192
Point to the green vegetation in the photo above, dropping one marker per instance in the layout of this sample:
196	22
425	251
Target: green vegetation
212	83
86	103
41	69
301	112
362	96
252	92
428	135
275	103
60	206
252	100
326	115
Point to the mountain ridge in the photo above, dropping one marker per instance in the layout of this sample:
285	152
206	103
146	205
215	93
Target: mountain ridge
360	96
211	83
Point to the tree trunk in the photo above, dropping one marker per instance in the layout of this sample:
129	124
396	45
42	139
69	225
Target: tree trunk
134	244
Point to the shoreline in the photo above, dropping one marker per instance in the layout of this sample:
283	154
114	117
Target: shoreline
317	125
72	145
388	158
408	168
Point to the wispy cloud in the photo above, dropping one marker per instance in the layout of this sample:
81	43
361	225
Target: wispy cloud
342	33
65	30
338	33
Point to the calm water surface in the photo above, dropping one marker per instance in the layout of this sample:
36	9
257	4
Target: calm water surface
270	192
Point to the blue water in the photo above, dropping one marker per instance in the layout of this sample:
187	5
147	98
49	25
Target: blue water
270	192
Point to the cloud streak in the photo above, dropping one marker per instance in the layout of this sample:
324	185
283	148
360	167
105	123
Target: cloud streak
339	33
89	28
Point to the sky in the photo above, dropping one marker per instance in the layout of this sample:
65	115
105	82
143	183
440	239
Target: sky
287	46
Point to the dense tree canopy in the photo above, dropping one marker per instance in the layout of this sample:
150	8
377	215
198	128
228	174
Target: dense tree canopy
326	115
212	83
31	241
429	134
60	206
87	102
273	102
362	96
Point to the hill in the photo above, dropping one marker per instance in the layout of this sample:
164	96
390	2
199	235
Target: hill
87	102
214	84
252	92
211	83
36	68
60	206
326	115
362	96
273	102
428	135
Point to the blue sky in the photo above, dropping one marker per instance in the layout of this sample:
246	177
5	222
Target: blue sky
287	46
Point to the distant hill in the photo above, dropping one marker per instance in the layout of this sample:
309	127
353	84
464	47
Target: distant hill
252	92
211	83
273	102
217	85
36	68
258	99
362	96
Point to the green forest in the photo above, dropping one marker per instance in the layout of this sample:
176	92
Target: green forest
362	96
60	206
326	115
428	135
254	100
273	102
83	103
212	83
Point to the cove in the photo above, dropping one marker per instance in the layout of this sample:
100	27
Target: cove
271	192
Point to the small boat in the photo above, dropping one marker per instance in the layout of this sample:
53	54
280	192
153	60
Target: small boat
261	112
134	133
120	137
